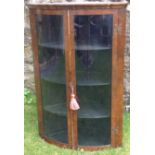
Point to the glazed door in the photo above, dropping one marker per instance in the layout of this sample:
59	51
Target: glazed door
93	49
52	78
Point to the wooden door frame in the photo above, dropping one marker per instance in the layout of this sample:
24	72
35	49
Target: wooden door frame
33	14
117	74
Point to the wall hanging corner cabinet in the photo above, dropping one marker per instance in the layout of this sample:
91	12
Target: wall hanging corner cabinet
78	54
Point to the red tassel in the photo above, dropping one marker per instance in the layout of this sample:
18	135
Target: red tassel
73	103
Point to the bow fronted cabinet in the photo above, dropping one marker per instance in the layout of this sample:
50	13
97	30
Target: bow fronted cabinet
78	51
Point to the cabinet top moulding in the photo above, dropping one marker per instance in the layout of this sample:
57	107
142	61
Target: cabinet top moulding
78	5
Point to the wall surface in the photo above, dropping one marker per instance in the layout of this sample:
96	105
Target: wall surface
28	67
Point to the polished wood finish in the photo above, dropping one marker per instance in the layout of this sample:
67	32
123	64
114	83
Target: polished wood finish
70	76
114	82
36	71
120	89
118	45
55	142
94	148
74	6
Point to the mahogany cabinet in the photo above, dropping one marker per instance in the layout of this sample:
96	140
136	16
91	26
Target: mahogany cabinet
78	49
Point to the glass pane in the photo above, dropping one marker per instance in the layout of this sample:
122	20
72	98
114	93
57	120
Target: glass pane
93	46
52	70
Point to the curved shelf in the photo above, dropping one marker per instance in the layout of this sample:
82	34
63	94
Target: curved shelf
57	109
94	79
91	79
90	47
54	78
87	111
59	135
90	140
52	45
85	140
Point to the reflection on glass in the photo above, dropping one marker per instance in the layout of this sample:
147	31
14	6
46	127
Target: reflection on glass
93	40
52	72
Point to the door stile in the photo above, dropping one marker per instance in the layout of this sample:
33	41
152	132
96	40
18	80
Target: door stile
36	70
70	77
120	70
73	78
117	85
